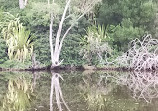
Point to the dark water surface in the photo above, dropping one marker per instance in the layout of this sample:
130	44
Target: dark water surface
78	91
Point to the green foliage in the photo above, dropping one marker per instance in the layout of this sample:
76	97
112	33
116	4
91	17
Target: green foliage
16	64
71	49
21	45
36	14
42	48
3	51
10	6
124	20
18	39
122	34
128	19
141	12
95	45
36	17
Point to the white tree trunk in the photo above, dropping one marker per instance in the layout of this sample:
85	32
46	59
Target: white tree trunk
48	2
50	39
22	4
57	92
55	50
60	27
25	2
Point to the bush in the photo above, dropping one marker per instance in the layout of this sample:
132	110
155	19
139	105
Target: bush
122	34
16	64
95	46
3	51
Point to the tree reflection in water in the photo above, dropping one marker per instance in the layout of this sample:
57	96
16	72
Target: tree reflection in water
144	85
56	90
18	95
95	91
110	91
36	76
90	91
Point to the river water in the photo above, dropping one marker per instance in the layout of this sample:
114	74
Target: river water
78	91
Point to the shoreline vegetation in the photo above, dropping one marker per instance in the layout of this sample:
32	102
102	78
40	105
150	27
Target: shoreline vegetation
55	35
76	68
141	56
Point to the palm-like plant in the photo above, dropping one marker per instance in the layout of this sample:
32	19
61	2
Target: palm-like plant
95	43
18	39
22	46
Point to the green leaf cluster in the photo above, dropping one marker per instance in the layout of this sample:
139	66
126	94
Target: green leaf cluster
122	34
18	40
3	51
95	45
71	49
127	20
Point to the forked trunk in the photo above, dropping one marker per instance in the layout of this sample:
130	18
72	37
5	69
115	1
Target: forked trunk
54	55
56	49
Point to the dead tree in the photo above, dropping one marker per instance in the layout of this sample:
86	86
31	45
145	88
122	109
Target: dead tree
142	55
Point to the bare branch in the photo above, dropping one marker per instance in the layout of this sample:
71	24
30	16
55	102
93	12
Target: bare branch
58	42
91	5
142	55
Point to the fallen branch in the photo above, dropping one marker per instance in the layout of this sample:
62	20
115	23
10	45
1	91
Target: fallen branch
143	55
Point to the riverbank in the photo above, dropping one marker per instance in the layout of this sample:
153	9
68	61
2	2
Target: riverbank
69	67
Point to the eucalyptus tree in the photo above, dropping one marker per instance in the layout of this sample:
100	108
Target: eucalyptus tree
76	9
